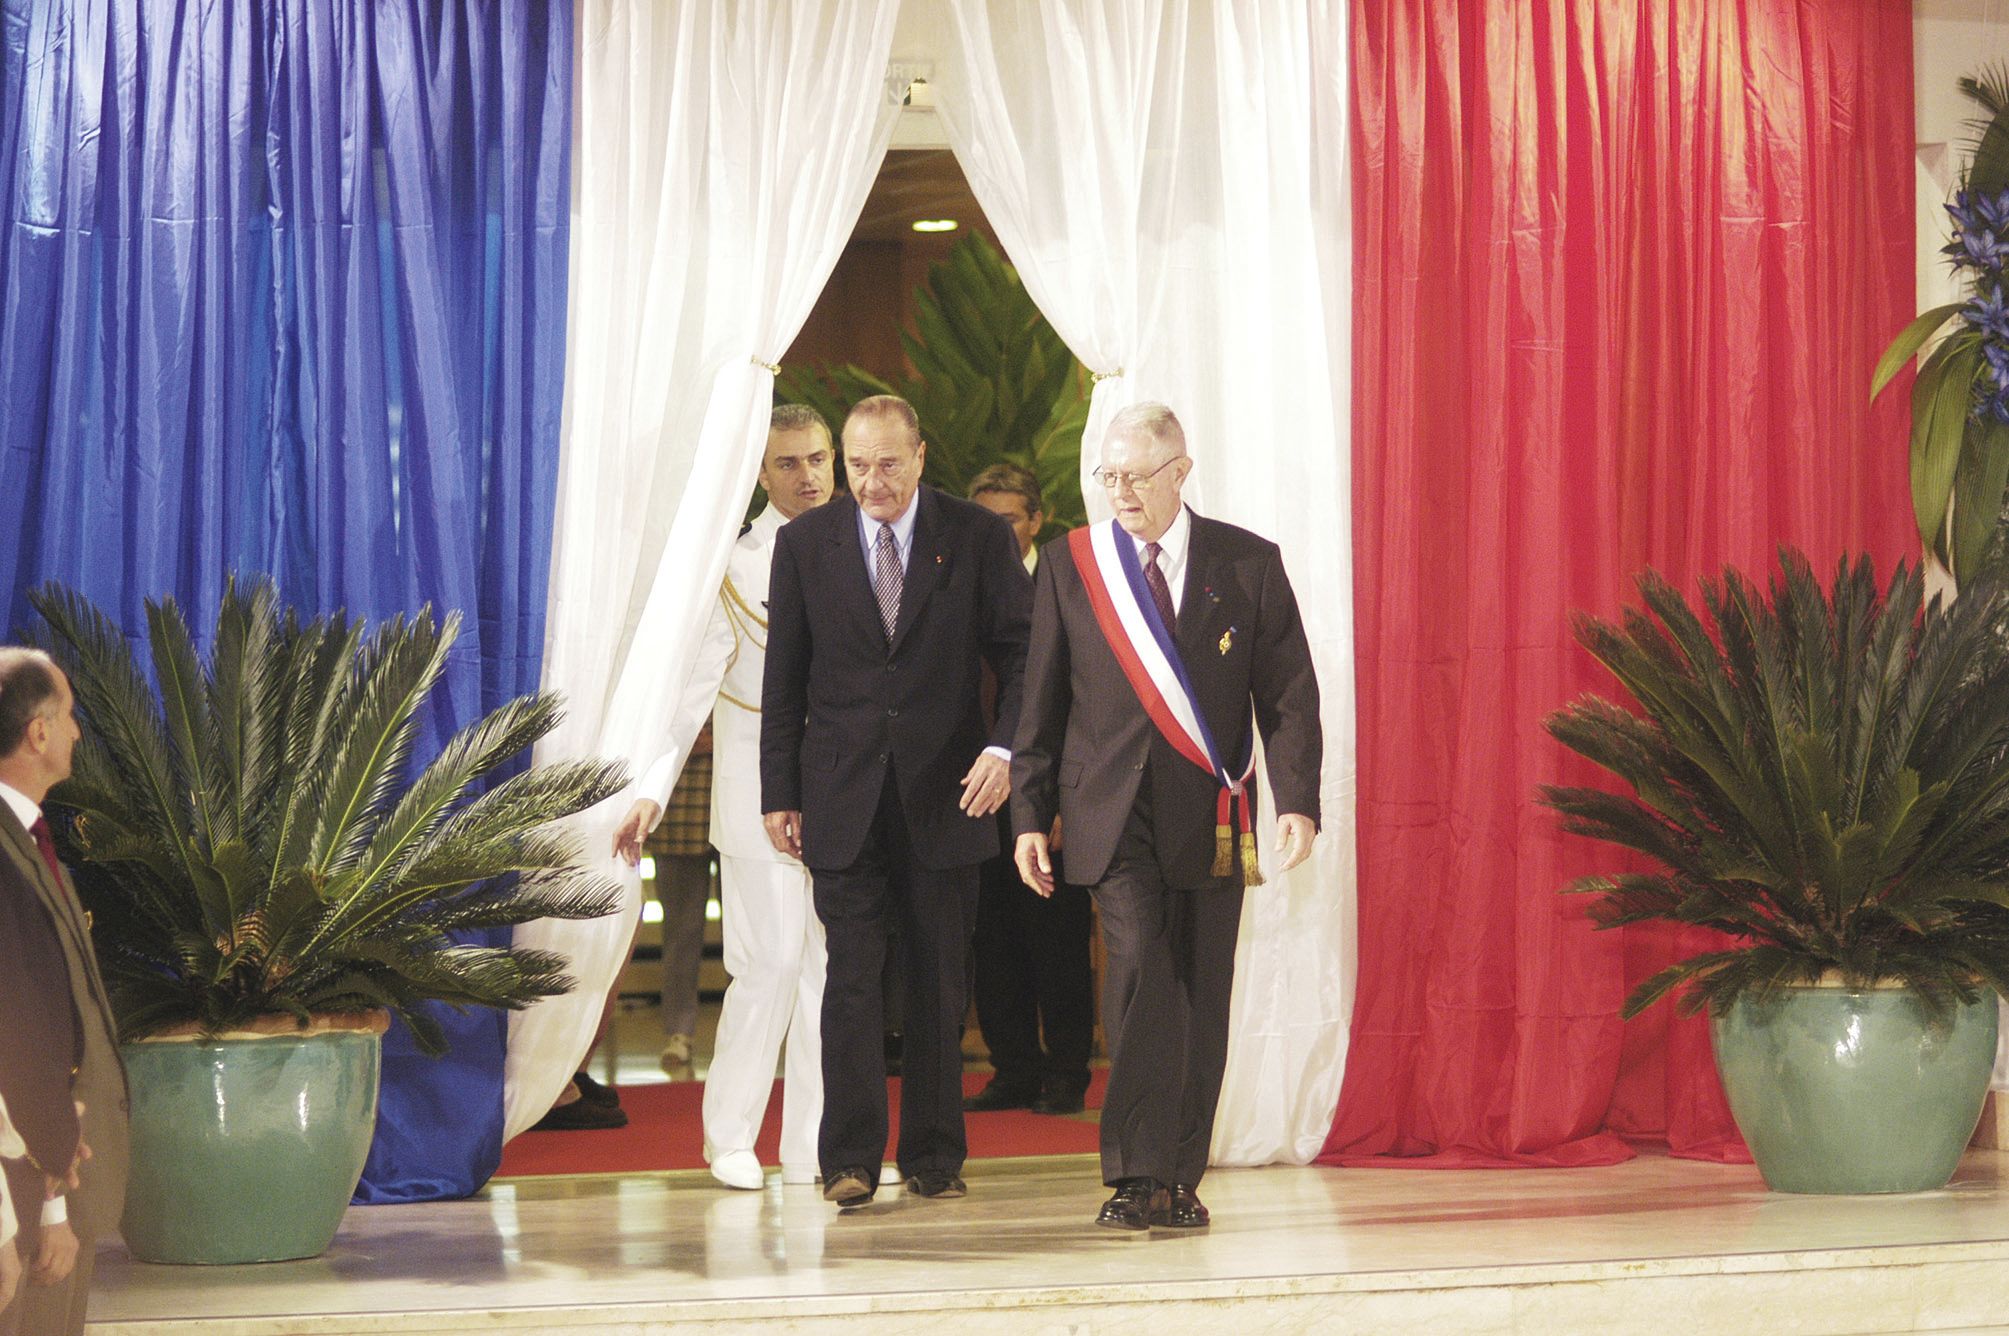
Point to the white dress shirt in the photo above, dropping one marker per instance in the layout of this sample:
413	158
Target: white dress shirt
26	810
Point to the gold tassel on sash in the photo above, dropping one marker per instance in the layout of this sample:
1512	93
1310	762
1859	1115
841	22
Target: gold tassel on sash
1230	834
1252	872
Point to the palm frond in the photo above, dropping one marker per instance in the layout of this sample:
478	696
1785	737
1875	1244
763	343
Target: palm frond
1822	773
249	842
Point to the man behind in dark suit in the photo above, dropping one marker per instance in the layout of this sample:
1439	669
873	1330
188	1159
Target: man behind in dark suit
59	1063
1143	822
877	771
1034	978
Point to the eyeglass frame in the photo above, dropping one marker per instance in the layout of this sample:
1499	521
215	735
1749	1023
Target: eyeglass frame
1114	482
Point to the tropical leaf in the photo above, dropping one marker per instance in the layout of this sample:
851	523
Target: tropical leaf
991	382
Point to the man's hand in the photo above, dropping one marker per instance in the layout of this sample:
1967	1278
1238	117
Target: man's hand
1035	863
784	832
986	786
58	1254
10	1272
1294	836
635	828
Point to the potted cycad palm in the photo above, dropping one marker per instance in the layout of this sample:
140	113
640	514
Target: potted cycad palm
268	885
1823	776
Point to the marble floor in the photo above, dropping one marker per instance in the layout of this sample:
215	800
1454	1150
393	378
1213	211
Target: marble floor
1652	1245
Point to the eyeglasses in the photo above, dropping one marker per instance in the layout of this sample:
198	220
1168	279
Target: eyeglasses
1113	481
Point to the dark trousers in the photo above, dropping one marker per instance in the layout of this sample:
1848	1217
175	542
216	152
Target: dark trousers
933	910
1168	976
1033	975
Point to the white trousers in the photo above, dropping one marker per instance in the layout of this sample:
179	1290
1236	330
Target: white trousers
774	953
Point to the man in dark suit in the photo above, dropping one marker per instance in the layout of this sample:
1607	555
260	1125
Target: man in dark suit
59	1063
877	771
1034	980
1156	639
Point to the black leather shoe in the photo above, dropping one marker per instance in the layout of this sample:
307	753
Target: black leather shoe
1061	1097
581	1115
937	1185
1182	1209
594	1093
997	1096
850	1187
1133	1205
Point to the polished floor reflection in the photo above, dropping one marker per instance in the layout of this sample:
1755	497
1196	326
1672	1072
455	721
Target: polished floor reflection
644	1250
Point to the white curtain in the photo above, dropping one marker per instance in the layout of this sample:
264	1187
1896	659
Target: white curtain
722	153
1169	178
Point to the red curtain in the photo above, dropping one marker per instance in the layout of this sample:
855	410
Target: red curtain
1621	272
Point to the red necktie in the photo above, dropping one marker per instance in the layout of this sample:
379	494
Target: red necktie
44	842
1161	593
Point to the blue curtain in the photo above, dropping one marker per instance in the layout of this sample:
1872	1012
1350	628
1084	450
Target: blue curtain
283	292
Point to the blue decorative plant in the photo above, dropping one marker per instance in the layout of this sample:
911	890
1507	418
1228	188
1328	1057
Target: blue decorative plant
1960	401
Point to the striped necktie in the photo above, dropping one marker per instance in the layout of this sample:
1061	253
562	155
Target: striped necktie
886	577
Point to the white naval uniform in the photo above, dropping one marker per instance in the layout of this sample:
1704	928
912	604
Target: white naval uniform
773	939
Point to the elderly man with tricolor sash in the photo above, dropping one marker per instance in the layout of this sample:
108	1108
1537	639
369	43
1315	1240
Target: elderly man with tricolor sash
1162	645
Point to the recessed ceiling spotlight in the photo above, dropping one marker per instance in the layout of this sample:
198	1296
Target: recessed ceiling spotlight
935	225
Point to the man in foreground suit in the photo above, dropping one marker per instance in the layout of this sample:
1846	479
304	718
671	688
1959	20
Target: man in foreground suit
875	771
1156	637
59	1066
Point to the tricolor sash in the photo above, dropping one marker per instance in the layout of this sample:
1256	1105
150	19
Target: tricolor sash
1106	557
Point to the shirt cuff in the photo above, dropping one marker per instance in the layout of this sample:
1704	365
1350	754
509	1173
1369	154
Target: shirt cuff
1002	753
55	1211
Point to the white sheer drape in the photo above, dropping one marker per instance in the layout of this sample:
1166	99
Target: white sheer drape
722	154
1169	178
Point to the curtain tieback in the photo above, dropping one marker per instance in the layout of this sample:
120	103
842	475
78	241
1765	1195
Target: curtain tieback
1099	376
771	368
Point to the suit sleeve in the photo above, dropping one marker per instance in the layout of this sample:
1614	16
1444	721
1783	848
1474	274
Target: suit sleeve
1043	706
693	707
1008	618
1285	689
38	1027
784	685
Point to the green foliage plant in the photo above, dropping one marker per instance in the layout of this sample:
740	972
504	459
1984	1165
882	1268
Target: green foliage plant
249	845
992	382
1960	399
1818	774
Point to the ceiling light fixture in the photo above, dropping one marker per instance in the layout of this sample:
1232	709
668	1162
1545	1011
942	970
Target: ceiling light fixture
935	225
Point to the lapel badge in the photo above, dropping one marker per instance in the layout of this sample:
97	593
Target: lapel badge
1227	640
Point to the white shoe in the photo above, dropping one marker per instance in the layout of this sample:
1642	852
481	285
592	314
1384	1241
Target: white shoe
739	1169
798	1173
676	1053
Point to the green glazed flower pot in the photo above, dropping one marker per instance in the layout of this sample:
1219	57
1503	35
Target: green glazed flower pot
1855	1090
247	1149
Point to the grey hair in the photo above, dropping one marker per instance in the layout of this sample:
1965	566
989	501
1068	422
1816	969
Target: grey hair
887	406
28	682
1150	421
798	417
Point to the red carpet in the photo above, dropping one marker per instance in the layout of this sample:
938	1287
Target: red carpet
664	1132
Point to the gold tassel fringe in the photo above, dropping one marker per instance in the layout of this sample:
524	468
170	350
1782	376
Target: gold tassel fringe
1252	872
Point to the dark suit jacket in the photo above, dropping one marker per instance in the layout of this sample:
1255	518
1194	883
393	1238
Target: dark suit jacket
100	1078
41	1036
838	702
1085	746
